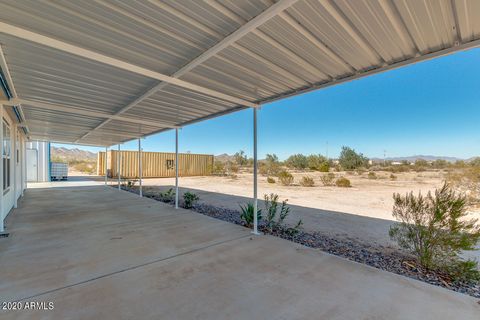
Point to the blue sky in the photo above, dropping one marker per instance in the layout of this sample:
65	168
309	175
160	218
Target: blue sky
430	108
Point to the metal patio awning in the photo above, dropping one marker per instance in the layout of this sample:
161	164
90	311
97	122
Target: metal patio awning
104	72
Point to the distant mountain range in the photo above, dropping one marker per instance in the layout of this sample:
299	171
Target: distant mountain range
226	157
418	157
72	154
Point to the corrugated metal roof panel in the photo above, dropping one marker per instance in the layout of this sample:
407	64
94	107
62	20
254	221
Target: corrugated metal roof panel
307	44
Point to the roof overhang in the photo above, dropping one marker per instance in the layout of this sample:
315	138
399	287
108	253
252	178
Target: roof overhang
105	73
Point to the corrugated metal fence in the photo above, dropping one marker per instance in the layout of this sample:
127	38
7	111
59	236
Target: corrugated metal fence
155	164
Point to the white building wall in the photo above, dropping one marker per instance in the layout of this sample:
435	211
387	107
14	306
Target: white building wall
43	160
11	193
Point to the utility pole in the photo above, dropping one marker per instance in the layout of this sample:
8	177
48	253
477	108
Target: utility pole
326	153
384	157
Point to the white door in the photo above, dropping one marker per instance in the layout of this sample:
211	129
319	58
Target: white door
32	165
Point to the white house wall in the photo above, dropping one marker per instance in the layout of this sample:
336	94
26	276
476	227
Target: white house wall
43	165
10	197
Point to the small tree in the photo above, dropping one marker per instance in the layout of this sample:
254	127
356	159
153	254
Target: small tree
297	161
350	160
436	229
272	165
240	158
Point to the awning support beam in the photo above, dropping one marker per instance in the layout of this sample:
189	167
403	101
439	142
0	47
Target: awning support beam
117	63
255	165
119	163
176	168
105	165
140	164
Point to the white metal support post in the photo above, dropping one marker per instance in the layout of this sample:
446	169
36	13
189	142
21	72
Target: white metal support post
2	229
176	168
118	166
14	164
140	173
255	197
105	165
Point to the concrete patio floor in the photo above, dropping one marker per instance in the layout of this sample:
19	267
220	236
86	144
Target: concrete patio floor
99	253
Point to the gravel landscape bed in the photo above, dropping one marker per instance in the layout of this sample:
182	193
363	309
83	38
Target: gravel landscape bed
388	259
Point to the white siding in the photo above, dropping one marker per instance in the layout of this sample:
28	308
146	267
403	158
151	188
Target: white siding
43	165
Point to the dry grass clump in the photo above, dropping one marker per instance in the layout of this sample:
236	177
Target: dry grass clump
285	178
343	182
307	181
328	179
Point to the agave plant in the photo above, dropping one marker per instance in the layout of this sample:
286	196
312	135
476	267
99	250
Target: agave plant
247	214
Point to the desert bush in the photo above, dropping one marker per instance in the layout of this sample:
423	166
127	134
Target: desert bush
247	214
475	162
219	168
324	167
440	164
276	215
467	181
307	181
372	175
167	196
343	182
231	167
297	161
360	171
84	166
270	180
315	162
350	160
393	177
328	179
240	158
285	178
189	199
129	183
398	168
436	229
272	165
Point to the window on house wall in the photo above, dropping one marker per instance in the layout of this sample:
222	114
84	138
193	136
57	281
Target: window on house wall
6	155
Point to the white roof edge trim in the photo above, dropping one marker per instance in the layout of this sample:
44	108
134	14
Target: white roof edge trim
428	56
54	107
98	57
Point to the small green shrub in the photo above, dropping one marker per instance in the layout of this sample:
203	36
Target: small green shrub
247	214
167	196
285	178
219	168
372	175
324	167
343	182
297	161
271	180
189	199
436	229
393	177
276	215
307	182
328	179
